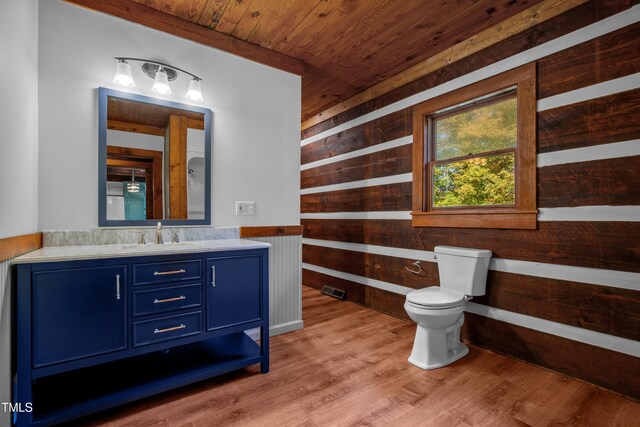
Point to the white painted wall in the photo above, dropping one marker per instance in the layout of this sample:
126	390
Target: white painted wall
18	153
256	117
19	117
118	138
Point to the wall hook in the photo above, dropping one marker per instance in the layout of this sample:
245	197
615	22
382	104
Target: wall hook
417	264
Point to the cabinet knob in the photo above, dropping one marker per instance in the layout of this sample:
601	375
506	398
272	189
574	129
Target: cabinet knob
213	276
117	286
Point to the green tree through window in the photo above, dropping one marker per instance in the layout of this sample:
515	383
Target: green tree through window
474	154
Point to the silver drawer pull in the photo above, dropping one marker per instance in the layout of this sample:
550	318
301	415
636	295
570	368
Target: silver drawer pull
159	301
213	276
162	273
117	286
175	328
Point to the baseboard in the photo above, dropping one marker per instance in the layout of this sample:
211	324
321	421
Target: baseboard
282	328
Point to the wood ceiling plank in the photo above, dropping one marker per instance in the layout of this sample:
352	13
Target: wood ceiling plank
191	10
152	18
517	23
311	29
382	56
212	12
233	13
250	19
289	16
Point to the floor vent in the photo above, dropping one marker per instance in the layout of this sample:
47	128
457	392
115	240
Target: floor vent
333	292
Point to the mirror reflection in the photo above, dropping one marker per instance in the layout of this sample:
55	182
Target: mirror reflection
155	160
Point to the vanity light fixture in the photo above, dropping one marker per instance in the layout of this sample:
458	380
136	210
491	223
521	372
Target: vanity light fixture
161	73
133	186
123	75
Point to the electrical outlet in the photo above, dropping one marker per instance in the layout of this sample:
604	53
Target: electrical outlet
245	208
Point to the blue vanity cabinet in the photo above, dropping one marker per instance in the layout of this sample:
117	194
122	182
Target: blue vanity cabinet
78	312
230	286
92	334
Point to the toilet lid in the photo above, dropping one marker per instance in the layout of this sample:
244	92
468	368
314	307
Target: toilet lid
435	296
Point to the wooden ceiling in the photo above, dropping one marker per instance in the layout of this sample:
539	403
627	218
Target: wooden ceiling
345	46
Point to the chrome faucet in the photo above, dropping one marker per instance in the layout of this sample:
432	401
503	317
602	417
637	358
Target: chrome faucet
159	233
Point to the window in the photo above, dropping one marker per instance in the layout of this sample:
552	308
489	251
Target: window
474	155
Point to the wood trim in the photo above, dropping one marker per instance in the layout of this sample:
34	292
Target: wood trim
11	247
514	220
135	128
167	23
514	25
177	169
524	215
271	230
195	124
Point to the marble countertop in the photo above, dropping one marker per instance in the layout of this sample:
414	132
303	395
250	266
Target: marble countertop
77	253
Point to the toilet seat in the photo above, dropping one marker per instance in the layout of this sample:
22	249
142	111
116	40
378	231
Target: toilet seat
436	297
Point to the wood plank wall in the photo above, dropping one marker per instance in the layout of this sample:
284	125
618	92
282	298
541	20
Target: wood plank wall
565	296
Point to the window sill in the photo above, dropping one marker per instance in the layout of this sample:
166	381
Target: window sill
509	219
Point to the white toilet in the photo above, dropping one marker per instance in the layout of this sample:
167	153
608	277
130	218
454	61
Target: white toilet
438	310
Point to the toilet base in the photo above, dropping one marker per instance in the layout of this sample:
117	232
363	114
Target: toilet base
437	347
463	350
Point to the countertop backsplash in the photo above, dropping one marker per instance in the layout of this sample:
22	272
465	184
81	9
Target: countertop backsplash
110	236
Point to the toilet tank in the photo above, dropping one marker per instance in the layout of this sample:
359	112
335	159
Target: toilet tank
463	269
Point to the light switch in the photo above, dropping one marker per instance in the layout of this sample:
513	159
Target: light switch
245	208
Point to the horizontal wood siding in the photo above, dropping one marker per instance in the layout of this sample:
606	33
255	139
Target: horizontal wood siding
604	309
601	315
391	197
608	57
600	182
606	368
387	128
598	121
559	242
576	18
383	163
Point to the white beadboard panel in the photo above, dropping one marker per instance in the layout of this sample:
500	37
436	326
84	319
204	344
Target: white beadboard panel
597	339
285	281
592	276
599	90
587	154
5	339
405	140
574	38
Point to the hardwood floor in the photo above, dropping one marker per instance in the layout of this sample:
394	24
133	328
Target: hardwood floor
348	366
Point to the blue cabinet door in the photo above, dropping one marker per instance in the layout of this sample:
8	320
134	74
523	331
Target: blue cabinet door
234	290
77	313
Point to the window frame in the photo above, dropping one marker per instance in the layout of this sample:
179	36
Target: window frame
522	215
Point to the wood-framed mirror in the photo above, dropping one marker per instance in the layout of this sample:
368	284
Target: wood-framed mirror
154	161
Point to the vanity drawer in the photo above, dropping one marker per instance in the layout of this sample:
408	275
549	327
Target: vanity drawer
161	272
166	328
167	299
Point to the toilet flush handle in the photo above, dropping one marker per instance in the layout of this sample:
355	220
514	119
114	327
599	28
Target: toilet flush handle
417	264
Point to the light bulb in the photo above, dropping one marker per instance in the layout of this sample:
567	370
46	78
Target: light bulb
161	83
195	91
123	75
